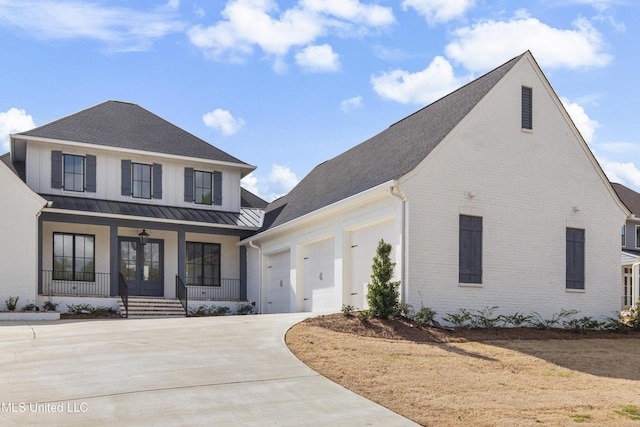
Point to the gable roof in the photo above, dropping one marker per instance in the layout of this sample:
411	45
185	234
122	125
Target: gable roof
387	156
125	125
630	198
16	167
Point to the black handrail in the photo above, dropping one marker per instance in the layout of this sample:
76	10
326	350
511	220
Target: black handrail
123	292
182	295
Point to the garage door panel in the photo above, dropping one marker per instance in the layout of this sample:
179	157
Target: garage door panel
279	283
364	243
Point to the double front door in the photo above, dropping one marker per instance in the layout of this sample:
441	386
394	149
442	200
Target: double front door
141	266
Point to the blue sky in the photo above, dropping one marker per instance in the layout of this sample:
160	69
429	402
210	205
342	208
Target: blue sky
285	85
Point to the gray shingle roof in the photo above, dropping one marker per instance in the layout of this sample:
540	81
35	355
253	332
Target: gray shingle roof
630	198
17	167
387	156
247	219
129	126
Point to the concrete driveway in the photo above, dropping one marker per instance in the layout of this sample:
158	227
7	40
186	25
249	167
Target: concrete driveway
232	370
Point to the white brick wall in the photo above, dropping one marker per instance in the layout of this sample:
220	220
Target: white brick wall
526	186
18	239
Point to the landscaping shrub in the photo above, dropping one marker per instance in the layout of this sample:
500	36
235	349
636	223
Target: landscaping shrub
50	306
11	303
244	309
347	309
382	293
424	317
31	307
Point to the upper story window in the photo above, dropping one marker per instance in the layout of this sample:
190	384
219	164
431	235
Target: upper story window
527	108
72	172
140	180
624	236
202	187
637	236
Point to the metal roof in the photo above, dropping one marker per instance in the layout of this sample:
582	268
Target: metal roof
247	218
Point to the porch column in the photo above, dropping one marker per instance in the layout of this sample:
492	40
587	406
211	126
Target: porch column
182	254
114	258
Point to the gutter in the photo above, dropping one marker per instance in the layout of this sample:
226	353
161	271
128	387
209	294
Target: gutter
340	204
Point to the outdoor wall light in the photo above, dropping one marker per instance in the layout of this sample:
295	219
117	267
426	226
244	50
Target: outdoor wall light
144	237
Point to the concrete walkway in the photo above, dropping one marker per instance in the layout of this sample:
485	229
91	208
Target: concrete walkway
232	370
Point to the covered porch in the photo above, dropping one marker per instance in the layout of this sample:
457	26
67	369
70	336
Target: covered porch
85	248
630	278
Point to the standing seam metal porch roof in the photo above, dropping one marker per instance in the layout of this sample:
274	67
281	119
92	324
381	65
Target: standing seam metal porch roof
129	126
387	156
248	218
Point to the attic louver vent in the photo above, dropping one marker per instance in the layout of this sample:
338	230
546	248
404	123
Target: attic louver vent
527	108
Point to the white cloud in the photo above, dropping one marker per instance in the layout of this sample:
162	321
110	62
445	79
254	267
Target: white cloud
583	122
479	47
122	29
223	121
625	173
250	182
421	87
248	24
318	59
13	120
280	180
351	104
436	11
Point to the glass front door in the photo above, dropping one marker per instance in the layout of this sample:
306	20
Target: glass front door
141	266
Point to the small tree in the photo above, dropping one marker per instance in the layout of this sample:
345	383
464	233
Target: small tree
383	293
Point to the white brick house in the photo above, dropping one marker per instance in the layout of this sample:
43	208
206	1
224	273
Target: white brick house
489	196
84	189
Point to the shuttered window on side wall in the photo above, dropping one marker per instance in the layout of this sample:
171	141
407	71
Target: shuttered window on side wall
575	258
470	249
527	108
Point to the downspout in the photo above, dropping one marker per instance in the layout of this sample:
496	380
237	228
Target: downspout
392	191
251	244
635	288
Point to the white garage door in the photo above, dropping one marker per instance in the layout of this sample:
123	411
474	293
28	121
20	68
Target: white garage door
320	293
278	283
364	243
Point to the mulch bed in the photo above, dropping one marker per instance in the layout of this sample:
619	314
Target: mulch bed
402	329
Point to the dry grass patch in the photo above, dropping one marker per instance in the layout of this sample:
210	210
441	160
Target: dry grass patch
439	378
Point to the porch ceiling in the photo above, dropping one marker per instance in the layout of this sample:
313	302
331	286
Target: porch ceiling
248	218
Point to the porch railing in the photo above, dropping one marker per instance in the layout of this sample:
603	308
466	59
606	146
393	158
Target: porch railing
229	290
95	284
182	294
123	293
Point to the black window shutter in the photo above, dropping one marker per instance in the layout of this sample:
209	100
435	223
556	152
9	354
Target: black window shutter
217	188
527	108
470	249
56	169
188	184
126	178
575	258
91	173
157	181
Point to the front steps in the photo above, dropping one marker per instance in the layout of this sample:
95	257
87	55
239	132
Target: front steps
150	307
